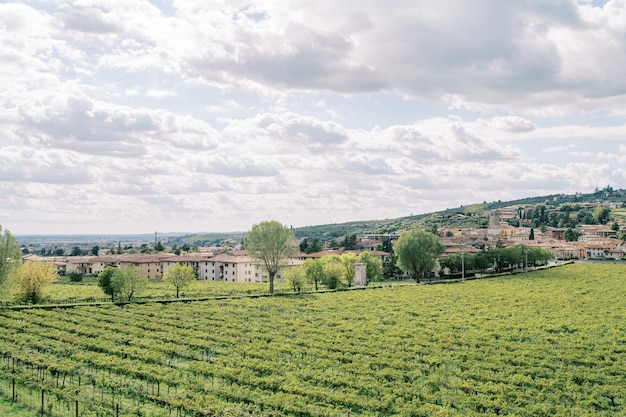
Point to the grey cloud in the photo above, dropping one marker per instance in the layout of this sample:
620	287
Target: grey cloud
514	124
43	166
241	167
369	165
88	20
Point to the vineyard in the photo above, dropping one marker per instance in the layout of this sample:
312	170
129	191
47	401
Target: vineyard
64	291
546	343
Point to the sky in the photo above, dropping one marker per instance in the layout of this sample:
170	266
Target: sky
137	116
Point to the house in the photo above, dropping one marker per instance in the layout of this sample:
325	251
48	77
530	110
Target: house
86	265
231	267
198	262
151	264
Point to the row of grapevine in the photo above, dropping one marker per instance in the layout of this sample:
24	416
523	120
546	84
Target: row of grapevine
548	343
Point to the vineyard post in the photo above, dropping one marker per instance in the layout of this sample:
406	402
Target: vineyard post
76	404
13	383
43	410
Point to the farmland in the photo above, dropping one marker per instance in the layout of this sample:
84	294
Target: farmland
548	343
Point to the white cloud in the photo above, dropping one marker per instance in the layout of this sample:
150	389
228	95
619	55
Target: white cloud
215	115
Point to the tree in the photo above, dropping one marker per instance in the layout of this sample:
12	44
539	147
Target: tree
601	214
531	235
34	278
95	250
390	263
350	242
296	277
105	281
481	261
333	271
76	276
272	244
10	255
179	276
76	251
374	267
348	260
159	248
417	252
129	282
315	246
571	235
314	271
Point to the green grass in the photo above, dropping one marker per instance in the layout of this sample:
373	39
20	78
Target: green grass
545	343
14	410
64	291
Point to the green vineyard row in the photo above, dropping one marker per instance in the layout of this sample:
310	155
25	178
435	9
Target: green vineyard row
546	343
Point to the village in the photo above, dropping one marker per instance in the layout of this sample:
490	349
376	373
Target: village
232	264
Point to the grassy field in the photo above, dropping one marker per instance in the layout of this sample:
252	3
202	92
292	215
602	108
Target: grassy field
546	343
64	291
14	410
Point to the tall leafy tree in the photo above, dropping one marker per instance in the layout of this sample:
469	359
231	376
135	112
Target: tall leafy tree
333	271
374	267
272	244
314	271
348	260
315	246
129	282
417	252
296	277
10	255
105	281
34	280
179	276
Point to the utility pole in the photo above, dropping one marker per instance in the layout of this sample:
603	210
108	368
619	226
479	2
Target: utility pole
463	264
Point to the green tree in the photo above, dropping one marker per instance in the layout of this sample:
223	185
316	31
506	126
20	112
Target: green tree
601	214
105	281
481	262
159	248
304	244
76	276
129	282
34	278
10	255
350	242
531	235
333	271
314	271
390	263
76	251
179	276
95	250
374	267
315	246
571	235
348	260
417	252
296	277
272	244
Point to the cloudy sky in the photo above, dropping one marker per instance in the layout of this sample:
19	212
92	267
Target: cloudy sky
136	116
